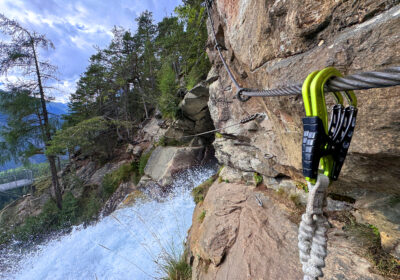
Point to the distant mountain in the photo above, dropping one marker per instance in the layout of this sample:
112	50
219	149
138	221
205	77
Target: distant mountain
55	108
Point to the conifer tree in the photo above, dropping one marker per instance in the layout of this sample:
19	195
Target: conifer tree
20	55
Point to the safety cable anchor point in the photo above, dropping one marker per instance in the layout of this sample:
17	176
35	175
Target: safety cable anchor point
240	96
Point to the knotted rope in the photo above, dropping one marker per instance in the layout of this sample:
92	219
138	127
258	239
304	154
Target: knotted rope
312	231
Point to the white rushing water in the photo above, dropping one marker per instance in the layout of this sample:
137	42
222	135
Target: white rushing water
124	245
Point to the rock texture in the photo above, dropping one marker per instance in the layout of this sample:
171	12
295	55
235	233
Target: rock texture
165	162
239	239
275	43
195	116
268	44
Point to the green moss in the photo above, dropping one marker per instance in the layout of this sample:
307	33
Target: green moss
368	237
199	192
144	158
202	216
218	135
375	230
257	178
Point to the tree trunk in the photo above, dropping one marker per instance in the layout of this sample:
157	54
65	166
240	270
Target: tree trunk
54	181
51	159
59	164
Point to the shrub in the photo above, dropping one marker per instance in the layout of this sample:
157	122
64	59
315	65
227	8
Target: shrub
90	207
112	180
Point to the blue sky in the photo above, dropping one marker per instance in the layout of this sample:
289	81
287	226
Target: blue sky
75	26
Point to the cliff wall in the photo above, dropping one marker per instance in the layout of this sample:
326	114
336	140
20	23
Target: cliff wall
268	44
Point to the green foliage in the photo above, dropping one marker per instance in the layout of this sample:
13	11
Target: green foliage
22	135
220	170
50	219
375	230
257	178
168	101
95	136
90	207
144	158
202	216
162	142
112	180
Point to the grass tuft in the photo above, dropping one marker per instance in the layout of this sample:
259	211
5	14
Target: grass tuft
202	216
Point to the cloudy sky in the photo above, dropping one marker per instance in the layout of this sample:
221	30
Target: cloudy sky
75	26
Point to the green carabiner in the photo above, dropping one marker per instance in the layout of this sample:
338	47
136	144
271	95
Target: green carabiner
315	108
318	104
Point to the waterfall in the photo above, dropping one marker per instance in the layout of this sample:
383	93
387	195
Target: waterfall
127	244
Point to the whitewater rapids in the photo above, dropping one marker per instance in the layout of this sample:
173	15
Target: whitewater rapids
128	244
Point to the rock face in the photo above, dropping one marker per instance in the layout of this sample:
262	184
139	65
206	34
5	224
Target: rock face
195	115
276	43
268	44
239	239
165	162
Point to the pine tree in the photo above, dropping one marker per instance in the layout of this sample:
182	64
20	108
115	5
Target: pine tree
21	55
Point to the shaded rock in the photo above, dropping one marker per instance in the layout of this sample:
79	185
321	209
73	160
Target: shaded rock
212	75
117	197
97	177
165	162
193	106
200	90
129	149
383	212
137	151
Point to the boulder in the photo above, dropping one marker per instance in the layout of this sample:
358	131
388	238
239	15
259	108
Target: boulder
165	162
194	104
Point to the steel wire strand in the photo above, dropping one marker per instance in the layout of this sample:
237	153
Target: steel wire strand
375	79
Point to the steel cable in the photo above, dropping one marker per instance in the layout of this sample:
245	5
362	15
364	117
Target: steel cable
366	80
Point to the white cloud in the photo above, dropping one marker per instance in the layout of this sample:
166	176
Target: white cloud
75	26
